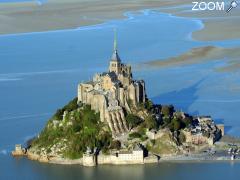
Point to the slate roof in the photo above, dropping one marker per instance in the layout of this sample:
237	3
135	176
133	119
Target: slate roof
115	56
112	75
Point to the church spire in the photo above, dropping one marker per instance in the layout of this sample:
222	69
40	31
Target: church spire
115	41
115	56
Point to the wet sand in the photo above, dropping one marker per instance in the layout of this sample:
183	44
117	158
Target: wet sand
68	14
201	55
218	25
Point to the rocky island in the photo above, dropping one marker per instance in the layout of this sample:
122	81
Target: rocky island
112	121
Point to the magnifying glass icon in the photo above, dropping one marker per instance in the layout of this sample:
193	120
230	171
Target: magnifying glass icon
233	4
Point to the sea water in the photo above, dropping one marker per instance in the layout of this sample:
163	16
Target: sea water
39	73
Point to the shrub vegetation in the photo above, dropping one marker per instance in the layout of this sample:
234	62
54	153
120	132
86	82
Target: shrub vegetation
86	130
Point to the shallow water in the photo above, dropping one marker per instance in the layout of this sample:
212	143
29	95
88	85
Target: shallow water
174	171
39	72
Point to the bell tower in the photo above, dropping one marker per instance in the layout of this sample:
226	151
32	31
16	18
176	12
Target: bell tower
115	62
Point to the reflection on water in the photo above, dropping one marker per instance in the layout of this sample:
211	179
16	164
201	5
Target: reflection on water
174	171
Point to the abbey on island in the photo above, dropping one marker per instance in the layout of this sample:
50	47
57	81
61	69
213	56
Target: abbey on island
111	92
111	121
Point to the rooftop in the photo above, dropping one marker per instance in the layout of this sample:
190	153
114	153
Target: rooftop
115	56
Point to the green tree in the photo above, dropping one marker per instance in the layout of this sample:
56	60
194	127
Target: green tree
104	140
171	126
116	145
59	114
166	120
72	105
148	104
176	124
133	120
167	110
187	121
151	122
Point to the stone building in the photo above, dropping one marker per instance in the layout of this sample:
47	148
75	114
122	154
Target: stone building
204	131
111	93
19	151
89	158
136	156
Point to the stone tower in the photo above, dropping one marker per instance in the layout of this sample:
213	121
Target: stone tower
109	93
115	62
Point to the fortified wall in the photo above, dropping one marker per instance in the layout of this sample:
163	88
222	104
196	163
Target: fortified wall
136	156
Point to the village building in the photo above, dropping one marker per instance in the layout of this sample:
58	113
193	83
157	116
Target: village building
204	131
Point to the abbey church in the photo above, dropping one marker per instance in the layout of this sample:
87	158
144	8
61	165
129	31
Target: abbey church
110	93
